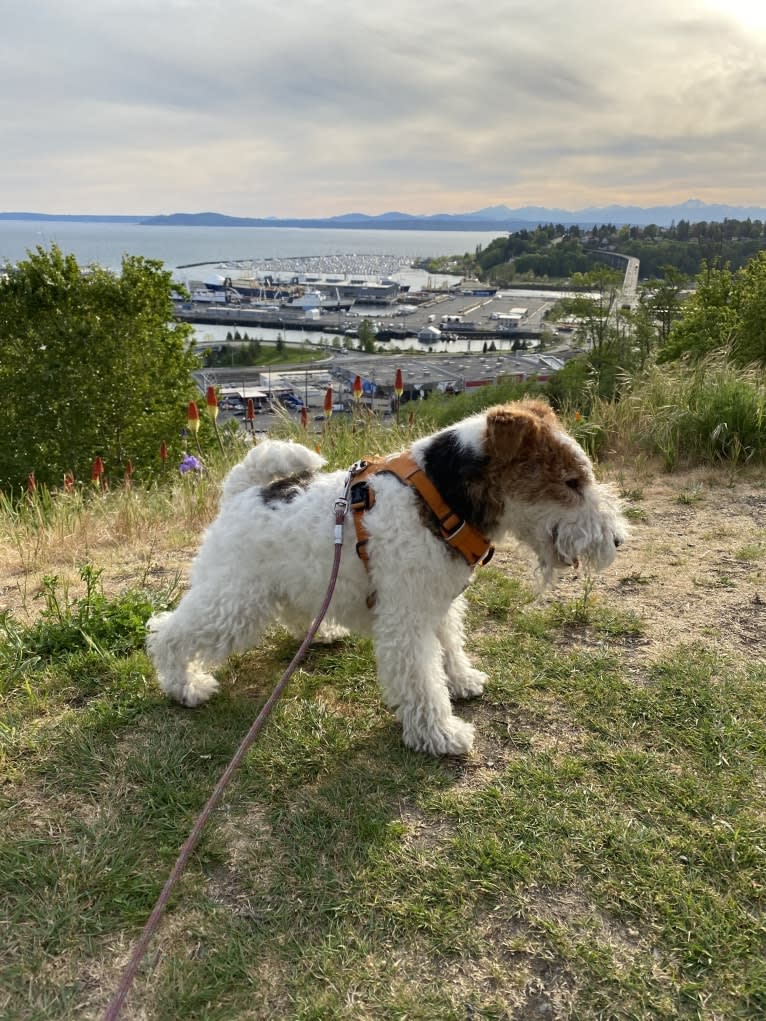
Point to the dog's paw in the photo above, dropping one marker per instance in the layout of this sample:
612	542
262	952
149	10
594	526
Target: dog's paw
458	739
199	687
452	737
329	633
470	684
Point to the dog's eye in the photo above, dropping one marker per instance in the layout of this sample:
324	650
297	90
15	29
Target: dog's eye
573	483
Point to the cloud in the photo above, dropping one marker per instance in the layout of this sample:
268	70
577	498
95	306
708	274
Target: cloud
310	108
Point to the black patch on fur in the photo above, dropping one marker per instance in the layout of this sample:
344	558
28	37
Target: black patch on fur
285	490
457	472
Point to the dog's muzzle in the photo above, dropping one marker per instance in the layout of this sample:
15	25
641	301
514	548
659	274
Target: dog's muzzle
567	561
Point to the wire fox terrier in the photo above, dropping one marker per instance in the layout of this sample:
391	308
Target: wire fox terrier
511	470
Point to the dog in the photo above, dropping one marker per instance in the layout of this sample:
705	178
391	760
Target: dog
512	470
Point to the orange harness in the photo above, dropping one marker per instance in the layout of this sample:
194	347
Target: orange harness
474	547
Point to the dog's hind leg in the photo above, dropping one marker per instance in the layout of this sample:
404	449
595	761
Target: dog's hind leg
413	680
463	680
188	642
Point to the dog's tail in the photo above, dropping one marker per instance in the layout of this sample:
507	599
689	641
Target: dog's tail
270	460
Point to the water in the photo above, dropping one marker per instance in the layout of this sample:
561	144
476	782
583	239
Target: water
106	243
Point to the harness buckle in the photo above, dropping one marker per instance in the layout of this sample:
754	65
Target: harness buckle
360	496
449	536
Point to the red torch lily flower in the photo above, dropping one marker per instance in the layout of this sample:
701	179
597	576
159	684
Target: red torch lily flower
304	417
68	482
357	389
96	471
328	402
193	417
398	390
250	412
31	482
212	403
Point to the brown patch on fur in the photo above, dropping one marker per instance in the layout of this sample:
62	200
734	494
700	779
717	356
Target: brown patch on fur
528	460
285	490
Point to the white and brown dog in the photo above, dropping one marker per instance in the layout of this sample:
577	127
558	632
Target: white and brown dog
511	470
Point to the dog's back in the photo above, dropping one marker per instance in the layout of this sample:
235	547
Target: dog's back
267	462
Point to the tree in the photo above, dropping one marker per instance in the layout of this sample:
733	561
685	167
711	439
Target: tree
596	309
366	335
659	306
605	330
726	311
91	364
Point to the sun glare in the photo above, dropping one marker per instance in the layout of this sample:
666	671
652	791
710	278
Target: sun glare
750	14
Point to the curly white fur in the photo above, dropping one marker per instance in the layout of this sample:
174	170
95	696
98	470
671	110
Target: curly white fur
267	557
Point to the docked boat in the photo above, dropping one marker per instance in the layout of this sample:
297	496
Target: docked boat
317	300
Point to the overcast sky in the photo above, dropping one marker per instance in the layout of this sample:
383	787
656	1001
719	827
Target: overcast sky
319	107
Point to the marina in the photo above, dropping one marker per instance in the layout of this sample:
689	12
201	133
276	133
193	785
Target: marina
453	317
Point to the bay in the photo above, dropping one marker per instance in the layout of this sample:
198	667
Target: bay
203	248
106	243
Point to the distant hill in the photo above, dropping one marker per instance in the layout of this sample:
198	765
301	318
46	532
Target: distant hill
490	218
499	217
71	218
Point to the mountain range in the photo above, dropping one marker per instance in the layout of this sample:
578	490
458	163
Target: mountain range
490	218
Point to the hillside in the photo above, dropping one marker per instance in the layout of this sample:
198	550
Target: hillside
600	854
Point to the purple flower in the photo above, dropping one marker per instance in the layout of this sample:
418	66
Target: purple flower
190	463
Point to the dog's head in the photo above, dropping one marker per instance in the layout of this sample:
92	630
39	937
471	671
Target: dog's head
523	474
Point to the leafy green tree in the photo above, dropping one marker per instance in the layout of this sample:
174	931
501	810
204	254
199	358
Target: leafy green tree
596	307
366	335
726	311
91	364
663	300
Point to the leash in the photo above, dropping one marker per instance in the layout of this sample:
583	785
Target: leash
131	969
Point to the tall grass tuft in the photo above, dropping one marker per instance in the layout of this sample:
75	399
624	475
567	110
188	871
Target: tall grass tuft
708	413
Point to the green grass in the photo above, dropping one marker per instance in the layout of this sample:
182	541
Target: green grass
709	413
603	855
245	352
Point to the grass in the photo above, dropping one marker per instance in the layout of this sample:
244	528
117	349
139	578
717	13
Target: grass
247	351
708	413
602	855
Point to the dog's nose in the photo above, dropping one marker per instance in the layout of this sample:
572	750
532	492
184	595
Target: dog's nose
617	542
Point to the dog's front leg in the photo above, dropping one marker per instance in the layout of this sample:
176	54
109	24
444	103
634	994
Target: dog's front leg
463	680
413	681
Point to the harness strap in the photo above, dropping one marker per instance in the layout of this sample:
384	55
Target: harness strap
475	548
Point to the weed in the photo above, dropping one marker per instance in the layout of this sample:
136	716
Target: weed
689	497
751	552
114	627
635	514
636	578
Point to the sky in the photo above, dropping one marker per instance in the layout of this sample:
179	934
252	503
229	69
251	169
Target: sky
311	108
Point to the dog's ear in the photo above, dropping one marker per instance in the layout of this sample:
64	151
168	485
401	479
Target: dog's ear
514	430
541	409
